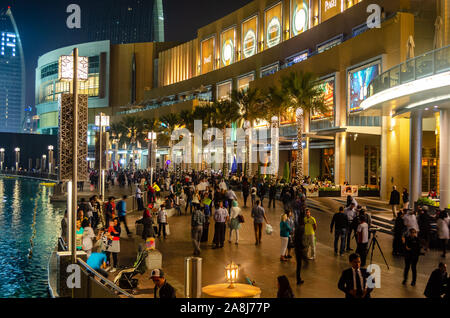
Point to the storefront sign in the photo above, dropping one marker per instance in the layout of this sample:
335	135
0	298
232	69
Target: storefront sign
312	191
273	18
300	16
207	55
227	40
329	8
349	190
249	37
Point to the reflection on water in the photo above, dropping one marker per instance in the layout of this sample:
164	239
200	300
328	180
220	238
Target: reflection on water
19	275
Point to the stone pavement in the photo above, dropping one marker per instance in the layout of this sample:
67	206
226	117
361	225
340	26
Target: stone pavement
262	264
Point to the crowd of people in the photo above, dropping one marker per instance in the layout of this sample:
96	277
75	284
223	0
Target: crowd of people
212	199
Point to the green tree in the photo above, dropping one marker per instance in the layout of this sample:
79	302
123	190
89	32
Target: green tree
300	92
250	103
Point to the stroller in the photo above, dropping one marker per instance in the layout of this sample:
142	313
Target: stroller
125	278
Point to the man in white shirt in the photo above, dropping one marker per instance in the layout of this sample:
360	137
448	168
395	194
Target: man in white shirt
350	212
363	240
223	185
410	221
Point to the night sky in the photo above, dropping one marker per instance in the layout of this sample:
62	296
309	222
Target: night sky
42	25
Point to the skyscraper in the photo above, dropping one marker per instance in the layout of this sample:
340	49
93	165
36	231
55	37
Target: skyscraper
12	74
126	21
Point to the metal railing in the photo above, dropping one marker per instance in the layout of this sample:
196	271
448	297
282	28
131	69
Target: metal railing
30	174
428	64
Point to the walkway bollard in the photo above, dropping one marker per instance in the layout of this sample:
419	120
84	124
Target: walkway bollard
193	277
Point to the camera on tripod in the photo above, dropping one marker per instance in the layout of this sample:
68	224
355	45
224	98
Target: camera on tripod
374	229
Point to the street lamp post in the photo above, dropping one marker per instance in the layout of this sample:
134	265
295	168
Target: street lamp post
151	141
101	121
50	159
2	157
17	150
44	163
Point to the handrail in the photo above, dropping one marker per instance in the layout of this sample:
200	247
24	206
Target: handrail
102	278
409	69
29	174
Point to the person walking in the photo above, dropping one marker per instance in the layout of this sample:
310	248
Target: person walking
272	194
262	192
284	288
394	201
221	216
197	221
399	231
405	198
350	212
88	236
235	221
253	195
363	239
285	231
410	220
412	253
122	212
436	283
110	208
245	190
259	216
424	221
140	202
162	221
353	281
114	247
147	222
310	234
299	246
340	224
443	223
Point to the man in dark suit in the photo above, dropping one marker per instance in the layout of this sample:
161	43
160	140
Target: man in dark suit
162	288
353	281
436	284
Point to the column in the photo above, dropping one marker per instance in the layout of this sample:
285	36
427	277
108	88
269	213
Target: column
415	157
444	151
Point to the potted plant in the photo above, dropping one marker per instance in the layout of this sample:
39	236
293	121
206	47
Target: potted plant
330	191
368	192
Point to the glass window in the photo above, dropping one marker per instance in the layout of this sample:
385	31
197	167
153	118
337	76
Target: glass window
224	90
249	37
269	70
273	26
244	81
372	163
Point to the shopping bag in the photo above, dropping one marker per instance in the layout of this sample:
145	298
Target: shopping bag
167	229
269	229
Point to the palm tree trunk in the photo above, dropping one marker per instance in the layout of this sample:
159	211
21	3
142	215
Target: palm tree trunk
248	146
224	155
274	134
299	160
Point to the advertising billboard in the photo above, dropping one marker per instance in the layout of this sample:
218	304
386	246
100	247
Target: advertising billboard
329	8
327	86
273	26
249	37
207	54
227	46
358	82
300	16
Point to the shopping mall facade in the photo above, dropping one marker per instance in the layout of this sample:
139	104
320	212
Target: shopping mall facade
356	141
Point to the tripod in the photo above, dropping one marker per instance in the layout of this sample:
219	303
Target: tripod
372	248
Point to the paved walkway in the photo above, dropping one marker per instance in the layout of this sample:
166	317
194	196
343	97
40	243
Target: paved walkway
261	263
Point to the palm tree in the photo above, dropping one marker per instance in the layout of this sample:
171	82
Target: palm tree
249	102
152	125
301	93
133	133
169	122
226	112
186	117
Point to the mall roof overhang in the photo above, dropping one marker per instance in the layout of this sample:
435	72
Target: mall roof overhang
401	100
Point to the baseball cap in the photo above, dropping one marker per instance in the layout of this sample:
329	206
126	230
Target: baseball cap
157	273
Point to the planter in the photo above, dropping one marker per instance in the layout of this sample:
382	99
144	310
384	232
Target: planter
329	194
368	193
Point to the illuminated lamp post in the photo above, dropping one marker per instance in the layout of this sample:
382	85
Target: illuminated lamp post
101	121
2	157
50	159
231	274
17	151
44	159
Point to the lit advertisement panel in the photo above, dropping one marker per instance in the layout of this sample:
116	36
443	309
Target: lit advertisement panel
329	8
249	37
272	20
358	81
300	16
207	55
227	46
327	86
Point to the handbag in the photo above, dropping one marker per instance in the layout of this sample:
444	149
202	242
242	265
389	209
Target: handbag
269	229
167	229
240	218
